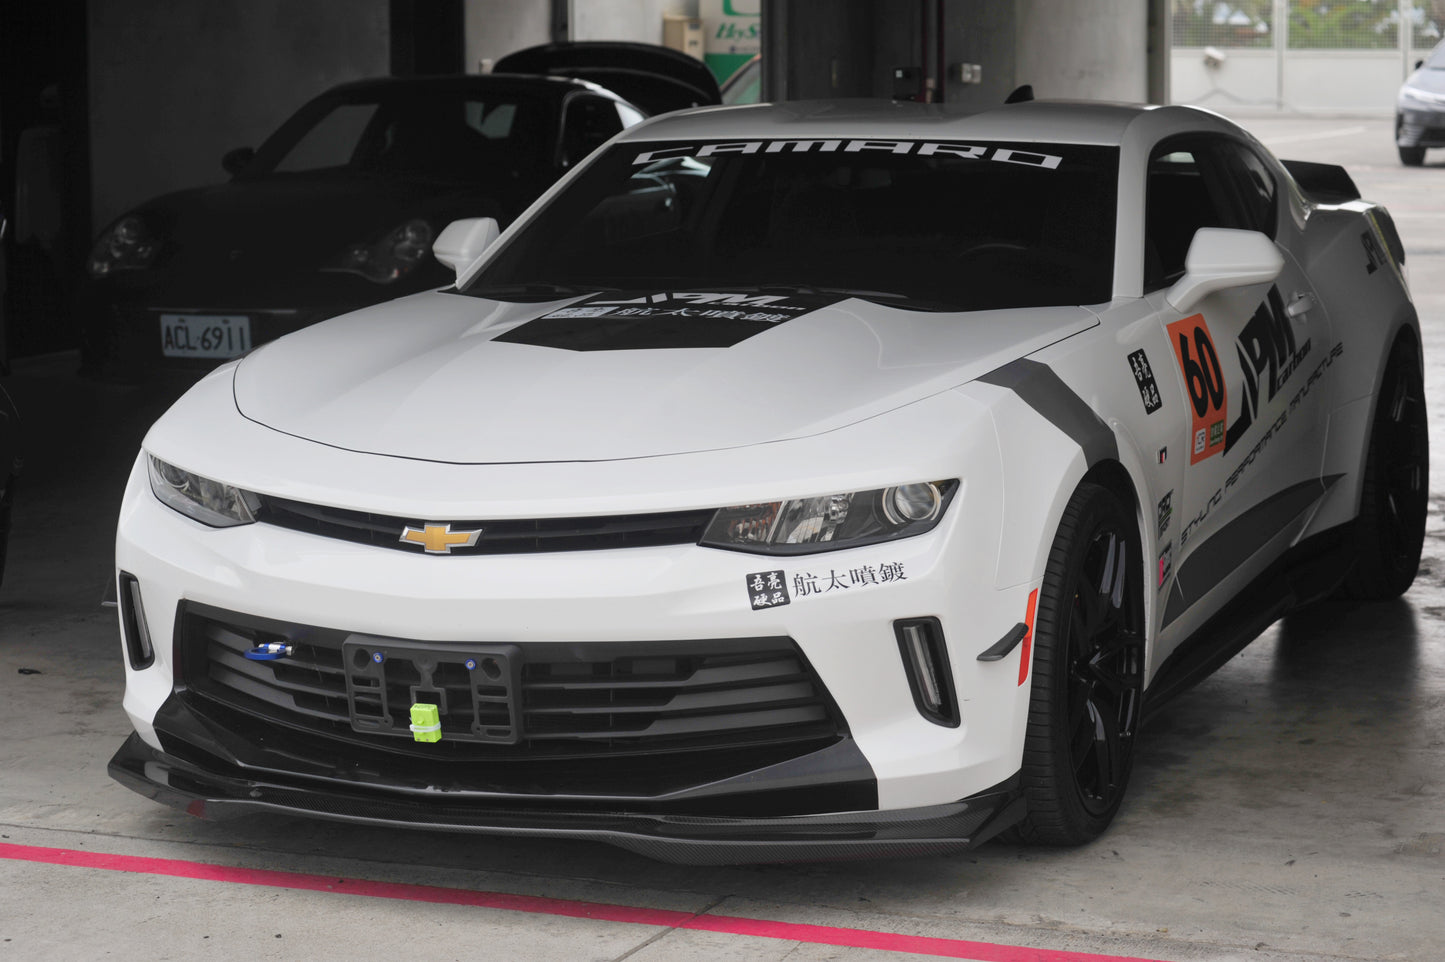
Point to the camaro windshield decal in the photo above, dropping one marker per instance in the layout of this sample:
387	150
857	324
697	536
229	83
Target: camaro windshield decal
917	148
650	321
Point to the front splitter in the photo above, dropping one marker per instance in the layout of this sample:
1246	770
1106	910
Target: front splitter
690	840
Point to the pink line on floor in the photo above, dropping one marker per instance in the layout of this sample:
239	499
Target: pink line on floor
601	911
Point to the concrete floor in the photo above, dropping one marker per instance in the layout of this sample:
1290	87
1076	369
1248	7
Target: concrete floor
1288	808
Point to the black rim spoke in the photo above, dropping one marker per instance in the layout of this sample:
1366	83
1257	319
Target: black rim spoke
1104	670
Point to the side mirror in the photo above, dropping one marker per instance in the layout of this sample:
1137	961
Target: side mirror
463	241
235	161
1222	259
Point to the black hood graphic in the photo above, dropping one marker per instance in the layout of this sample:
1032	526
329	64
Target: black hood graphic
639	321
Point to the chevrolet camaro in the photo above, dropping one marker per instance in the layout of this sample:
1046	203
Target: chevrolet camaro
791	481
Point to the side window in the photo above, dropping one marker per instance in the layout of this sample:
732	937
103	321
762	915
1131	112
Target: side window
587	125
1185	190
1255	184
332	141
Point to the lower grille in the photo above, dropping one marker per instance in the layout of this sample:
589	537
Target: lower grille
1420	134
594	699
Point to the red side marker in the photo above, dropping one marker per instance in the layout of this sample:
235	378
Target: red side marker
541	905
1025	656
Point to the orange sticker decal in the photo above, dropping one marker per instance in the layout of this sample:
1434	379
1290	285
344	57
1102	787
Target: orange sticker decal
1203	382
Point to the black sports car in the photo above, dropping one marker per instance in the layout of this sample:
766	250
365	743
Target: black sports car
339	207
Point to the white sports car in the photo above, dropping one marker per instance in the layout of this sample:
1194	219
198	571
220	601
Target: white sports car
790	481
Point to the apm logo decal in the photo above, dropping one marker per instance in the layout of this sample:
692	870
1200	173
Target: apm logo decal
1268	355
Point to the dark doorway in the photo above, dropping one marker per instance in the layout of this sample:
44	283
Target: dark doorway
44	170
427	37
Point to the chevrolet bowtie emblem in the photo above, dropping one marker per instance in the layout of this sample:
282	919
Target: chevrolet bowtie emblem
440	538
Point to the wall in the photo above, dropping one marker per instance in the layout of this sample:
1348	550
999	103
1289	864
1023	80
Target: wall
1065	49
174	84
1314	81
636	20
496	28
1095	51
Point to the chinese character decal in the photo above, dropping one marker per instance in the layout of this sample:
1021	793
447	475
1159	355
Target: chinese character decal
767	589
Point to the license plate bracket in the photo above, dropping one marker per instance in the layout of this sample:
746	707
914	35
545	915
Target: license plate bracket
476	688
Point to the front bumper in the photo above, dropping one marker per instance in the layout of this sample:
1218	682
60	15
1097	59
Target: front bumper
221	791
1420	127
833	743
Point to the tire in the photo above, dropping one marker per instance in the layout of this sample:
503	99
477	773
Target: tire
1411	156
1390	530
1088	673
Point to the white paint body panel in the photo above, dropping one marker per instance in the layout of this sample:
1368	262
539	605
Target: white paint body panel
410	408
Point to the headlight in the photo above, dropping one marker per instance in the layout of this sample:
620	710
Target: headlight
127	245
389	259
832	522
209	502
1422	97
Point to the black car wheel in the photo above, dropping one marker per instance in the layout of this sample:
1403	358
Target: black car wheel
1390	529
1088	673
1411	156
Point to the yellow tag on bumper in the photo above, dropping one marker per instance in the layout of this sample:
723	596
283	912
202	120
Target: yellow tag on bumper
426	723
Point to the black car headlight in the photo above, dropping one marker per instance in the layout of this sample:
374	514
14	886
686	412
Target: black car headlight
209	502
127	245
831	522
389	259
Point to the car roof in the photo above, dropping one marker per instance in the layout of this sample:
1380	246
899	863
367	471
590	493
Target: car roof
1033	121
449	82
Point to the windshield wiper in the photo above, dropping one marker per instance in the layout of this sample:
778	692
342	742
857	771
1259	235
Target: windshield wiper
538	290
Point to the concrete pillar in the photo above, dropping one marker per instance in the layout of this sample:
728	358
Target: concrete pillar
1089	51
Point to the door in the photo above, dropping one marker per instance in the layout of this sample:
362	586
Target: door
1253	441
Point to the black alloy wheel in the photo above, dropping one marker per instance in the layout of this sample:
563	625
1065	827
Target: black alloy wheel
1088	673
1390	529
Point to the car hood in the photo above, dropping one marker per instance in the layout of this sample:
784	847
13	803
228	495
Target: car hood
1427	79
453	378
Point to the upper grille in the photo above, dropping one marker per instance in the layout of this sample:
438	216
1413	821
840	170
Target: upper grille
497	537
605	698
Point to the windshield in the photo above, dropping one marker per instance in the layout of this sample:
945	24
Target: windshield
468	136
946	226
1436	60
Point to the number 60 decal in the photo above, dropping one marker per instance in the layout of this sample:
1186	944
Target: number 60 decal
1203	382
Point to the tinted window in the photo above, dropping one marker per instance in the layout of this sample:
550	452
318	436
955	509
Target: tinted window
1255	184
1184	193
1196	182
332	141
588	124
961	226
443	134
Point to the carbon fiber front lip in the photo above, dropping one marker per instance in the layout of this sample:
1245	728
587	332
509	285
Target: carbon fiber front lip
689	840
